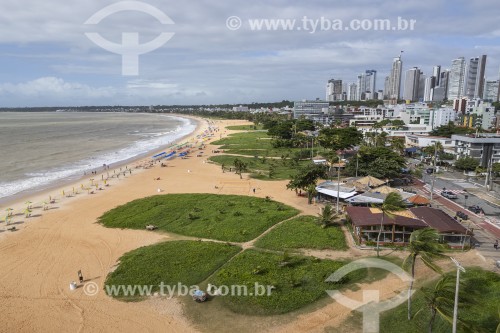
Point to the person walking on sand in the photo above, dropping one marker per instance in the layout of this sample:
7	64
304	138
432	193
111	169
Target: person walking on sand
496	245
80	276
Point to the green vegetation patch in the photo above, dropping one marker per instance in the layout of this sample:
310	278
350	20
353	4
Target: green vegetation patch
303	232
245	128
262	168
478	311
185	262
297	281
245	140
222	217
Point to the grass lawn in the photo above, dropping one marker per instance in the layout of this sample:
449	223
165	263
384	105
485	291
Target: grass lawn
297	283
259	168
222	217
245	128
186	262
481	317
246	140
303	233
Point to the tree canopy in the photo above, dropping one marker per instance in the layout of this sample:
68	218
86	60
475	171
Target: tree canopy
450	129
379	162
306	176
339	138
466	163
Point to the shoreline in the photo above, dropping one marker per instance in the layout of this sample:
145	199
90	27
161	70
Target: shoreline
78	178
38	196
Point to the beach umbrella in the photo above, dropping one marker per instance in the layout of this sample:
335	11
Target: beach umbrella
9	211
29	204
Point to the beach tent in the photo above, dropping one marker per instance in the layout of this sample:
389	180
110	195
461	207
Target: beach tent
369	181
418	200
384	189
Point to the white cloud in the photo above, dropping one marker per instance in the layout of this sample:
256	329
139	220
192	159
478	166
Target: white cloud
44	47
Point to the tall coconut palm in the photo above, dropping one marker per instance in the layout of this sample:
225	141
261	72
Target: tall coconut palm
392	203
439	300
424	243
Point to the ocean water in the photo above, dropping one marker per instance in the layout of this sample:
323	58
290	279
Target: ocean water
38	150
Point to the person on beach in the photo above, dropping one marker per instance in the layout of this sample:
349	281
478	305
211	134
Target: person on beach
80	276
496	245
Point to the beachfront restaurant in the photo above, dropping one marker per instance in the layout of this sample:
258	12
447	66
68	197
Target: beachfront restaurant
450	231
398	226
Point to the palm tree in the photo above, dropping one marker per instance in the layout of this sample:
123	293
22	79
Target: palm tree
424	243
398	145
311	192
440	300
239	167
381	139
392	203
327	216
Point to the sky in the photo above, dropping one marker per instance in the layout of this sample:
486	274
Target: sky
215	52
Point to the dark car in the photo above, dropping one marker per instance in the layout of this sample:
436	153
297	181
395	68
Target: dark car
475	209
462	215
449	195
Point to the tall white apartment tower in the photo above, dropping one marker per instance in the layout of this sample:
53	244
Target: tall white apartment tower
474	82
412	81
456	79
395	78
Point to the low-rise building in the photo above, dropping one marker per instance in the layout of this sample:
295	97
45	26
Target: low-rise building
398	226
485	148
310	109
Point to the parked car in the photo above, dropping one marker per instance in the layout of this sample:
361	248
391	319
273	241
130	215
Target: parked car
449	195
475	209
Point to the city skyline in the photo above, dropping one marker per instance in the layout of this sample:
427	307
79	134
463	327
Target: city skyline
49	61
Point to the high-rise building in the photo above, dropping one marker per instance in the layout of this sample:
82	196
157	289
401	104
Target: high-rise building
352	92
491	91
371	81
456	79
367	84
395	78
387	86
334	90
412	81
474	83
436	72
430	84
421	87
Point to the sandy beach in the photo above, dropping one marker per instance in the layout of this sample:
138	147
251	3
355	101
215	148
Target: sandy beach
38	261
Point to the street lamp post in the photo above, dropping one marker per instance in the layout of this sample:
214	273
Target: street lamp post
455	307
434	170
338	186
357	164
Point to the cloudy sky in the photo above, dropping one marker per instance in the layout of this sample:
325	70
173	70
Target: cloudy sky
47	59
